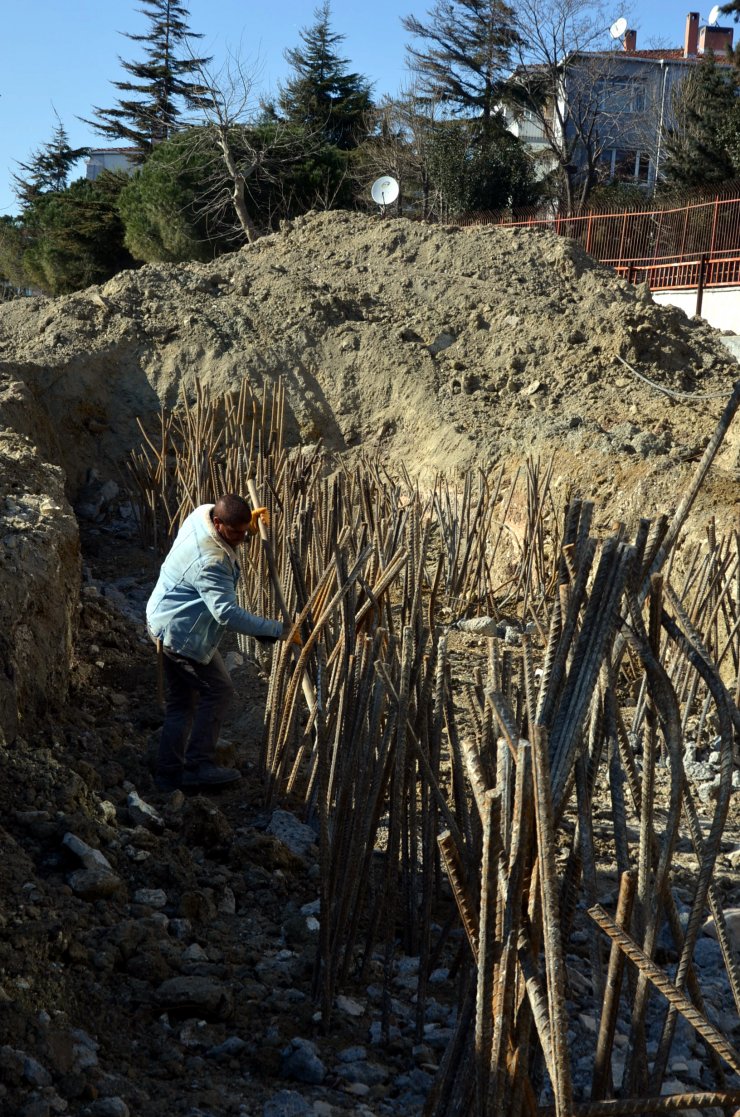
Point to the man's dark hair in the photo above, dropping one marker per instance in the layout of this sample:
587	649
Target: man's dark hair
232	509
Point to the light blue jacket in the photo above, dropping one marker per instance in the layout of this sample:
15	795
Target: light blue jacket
194	600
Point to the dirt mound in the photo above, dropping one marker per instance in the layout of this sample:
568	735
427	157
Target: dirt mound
439	347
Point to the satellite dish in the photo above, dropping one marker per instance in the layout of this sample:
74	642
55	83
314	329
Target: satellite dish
384	190
618	28
714	14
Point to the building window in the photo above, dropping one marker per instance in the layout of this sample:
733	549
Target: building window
620	95
642	171
624	166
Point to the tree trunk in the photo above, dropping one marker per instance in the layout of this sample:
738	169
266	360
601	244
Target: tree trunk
239	189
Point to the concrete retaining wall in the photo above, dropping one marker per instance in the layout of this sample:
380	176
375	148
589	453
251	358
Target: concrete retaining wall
720	307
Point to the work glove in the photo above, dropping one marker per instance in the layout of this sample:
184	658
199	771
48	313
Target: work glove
296	637
259	514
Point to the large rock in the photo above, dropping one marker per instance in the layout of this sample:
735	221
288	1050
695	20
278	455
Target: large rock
196	995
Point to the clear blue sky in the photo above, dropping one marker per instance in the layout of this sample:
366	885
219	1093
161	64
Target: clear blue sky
63	54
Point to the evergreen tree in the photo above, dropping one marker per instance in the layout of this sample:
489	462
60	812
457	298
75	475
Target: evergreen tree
13	281
160	84
469	173
47	170
703	142
322	96
466	56
178	205
74	237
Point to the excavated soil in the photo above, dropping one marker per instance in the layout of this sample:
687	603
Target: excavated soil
178	989
443	348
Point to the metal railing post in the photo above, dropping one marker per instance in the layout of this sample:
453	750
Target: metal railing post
700	285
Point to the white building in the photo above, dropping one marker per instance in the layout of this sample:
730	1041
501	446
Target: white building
622	100
110	159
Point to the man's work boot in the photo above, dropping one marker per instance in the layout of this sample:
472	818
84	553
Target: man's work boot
207	774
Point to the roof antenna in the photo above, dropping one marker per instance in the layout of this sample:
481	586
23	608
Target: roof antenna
714	15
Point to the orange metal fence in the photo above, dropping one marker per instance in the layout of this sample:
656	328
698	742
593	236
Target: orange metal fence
701	270
663	247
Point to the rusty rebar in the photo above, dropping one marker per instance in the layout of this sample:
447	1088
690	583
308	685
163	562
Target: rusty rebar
663	984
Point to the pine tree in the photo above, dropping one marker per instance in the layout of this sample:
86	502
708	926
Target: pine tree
322	96
47	170
467	56
703	143
74	237
161	82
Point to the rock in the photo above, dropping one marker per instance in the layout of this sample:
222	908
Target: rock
197	906
34	1073
357	1089
349	1006
141	814
194	953
441	342
108	1107
227	903
300	929
417	1080
299	838
589	1022
180	928
230	1047
204	824
90	858
732	919
323	1109
300	1061
107	811
707	954
151	897
84	1051
16	1065
202	995
352	1054
280	969
370	1074
287	1103
94	884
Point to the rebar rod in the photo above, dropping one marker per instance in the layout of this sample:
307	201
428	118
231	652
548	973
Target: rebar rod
487	961
458	884
663	984
554	960
671	1103
608	1022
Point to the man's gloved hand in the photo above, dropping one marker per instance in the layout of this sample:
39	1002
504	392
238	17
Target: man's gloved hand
258	515
296	639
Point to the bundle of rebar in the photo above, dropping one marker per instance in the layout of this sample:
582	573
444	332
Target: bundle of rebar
521	792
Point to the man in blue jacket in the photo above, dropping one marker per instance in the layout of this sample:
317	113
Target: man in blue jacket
192	605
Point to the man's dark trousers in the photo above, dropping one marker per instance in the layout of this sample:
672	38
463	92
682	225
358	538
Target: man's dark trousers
197	697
